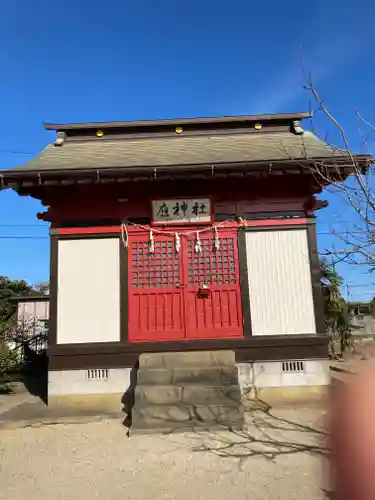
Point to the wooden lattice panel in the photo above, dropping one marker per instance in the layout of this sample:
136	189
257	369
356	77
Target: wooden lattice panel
159	269
212	266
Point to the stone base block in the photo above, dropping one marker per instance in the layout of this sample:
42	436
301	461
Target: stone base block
185	359
207	376
186	417
188	394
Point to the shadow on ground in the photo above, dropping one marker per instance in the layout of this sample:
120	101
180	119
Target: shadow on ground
37	386
31	376
35	373
5	388
268	434
128	398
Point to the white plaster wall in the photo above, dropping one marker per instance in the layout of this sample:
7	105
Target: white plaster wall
88	292
270	374
280	288
75	382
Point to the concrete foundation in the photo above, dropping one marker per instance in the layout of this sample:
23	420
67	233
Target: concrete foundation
87	404
278	382
310	372
275	382
88	382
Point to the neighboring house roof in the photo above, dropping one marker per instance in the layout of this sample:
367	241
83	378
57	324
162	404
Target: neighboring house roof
30	298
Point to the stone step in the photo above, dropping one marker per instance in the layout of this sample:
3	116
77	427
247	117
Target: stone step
216	375
187	394
185	359
164	417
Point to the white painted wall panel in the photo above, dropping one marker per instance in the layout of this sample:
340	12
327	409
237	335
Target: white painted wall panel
88	295
280	288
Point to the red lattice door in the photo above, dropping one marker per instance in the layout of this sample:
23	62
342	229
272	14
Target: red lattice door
155	311
220	314
164	300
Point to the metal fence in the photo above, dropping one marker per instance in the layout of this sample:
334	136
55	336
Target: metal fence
29	348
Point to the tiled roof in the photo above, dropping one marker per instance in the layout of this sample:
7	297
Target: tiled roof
192	150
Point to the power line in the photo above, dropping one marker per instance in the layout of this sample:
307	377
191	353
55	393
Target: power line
41	225
35	237
24	237
13	152
333	233
22	225
359	285
318	221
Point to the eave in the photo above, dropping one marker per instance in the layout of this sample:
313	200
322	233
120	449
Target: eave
21	179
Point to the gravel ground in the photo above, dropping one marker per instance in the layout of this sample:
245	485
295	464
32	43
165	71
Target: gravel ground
98	461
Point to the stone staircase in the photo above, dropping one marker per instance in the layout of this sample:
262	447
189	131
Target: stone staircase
187	391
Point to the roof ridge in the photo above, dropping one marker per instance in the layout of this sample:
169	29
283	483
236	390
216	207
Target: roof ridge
178	121
158	138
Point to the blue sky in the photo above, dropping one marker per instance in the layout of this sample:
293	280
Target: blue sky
85	60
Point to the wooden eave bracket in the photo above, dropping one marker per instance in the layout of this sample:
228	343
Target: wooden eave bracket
25	179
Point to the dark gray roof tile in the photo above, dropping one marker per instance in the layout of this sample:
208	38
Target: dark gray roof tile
181	150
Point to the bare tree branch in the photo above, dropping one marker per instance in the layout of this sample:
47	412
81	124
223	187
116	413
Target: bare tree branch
353	180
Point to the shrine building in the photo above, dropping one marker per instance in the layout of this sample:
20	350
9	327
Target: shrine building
191	235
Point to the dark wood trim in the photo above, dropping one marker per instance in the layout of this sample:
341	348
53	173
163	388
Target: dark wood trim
54	255
87	223
96	236
92	223
282	352
255	348
179	121
244	283
189	345
89	236
124	302
258	217
315	280
274	215
85	361
123	134
87	231
280	225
